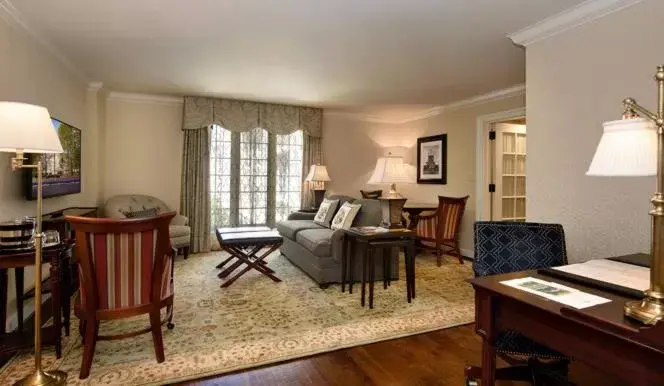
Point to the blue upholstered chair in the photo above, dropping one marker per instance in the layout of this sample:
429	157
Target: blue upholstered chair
504	247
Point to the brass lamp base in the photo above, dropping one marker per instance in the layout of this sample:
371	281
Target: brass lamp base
392	209
647	311
42	378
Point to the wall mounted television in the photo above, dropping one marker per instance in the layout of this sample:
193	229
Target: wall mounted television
61	172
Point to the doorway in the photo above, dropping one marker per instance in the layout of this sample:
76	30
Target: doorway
501	166
507	171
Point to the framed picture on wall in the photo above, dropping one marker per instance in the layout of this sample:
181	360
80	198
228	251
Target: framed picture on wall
432	160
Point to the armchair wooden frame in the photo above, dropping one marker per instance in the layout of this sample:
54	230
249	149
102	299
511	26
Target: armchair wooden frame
90	313
446	237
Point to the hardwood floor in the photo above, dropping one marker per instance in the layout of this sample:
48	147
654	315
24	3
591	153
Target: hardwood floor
435	358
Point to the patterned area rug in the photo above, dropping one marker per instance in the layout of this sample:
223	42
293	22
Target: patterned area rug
256	321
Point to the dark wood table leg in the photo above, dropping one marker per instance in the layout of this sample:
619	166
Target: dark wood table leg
55	302
66	284
364	252
19	276
385	257
485	326
410	250
372	270
344	260
351	265
3	300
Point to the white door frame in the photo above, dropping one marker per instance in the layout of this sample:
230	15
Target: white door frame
483	124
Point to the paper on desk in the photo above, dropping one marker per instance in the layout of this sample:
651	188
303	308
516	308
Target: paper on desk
614	272
556	292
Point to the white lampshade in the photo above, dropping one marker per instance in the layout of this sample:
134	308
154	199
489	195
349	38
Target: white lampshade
27	128
318	173
628	148
390	170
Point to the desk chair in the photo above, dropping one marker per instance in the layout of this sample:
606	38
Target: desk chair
126	269
503	247
441	228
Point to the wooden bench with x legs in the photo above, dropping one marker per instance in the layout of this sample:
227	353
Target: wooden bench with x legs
244	248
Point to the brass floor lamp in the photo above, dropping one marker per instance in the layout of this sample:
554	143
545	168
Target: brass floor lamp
27	128
634	146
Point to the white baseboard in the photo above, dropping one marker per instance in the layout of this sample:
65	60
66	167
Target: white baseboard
468	253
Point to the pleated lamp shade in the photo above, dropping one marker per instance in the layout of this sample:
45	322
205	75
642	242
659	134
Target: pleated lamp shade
628	148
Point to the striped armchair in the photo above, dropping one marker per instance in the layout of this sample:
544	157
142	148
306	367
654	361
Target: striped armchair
439	231
125	269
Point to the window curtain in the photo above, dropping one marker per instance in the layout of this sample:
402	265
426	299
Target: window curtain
195	196
242	117
311	155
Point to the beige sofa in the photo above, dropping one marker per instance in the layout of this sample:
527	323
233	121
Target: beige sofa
179	231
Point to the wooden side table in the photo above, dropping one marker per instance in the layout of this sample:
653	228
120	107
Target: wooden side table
58	258
370	244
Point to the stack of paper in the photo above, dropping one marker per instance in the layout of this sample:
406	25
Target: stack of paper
614	272
556	292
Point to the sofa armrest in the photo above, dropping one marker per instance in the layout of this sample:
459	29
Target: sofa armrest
180	220
301	216
337	242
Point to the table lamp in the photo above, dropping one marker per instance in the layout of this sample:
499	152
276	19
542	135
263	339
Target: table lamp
634	146
317	177
27	128
391	170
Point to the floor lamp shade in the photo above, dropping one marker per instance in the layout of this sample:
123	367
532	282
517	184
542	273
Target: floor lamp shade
27	128
628	147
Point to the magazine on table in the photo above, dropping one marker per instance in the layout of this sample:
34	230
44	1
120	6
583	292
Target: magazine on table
370	229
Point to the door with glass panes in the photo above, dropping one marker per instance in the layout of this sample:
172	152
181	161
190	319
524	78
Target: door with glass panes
509	173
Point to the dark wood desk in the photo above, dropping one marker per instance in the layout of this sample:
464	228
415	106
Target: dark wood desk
599	336
414	209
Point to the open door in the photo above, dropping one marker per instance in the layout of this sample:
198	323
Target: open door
508	172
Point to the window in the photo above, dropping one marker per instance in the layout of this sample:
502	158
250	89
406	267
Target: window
241	189
289	174
253	177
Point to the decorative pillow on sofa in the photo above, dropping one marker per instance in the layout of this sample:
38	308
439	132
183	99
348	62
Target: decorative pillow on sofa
345	216
152	212
326	212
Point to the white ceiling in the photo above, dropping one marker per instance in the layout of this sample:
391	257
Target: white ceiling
329	53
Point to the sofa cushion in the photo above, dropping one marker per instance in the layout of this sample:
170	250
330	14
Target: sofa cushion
178	230
316	240
370	213
290	228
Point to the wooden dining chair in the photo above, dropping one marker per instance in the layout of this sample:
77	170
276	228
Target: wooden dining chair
125	270
439	231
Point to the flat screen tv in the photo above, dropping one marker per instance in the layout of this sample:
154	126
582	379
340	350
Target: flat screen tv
61	172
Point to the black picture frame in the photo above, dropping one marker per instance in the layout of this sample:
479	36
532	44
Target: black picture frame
433	170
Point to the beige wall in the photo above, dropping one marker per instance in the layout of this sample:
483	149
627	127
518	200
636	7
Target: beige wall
351	148
575	81
29	73
143	149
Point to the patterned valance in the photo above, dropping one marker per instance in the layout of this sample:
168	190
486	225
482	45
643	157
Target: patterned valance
235	115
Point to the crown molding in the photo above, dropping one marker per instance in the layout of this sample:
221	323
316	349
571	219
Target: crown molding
145	98
492	96
517	90
570	18
14	18
95	86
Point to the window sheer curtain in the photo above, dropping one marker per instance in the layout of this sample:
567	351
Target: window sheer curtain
264	141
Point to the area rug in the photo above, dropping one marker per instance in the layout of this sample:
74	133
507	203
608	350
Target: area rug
256	321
